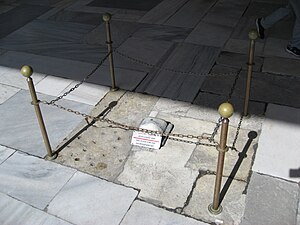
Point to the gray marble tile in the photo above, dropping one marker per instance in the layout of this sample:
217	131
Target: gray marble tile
18	213
226	13
263	194
184	84
5	153
46	65
126	4
162	33
143	213
26	12
280	89
77	17
120	32
98	200
146	52
40	2
282	66
162	12
209	35
276	47
242	46
7	92
32	180
190	14
237	60
260	9
58	127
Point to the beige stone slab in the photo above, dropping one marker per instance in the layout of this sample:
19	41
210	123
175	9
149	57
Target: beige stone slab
233	203
102	149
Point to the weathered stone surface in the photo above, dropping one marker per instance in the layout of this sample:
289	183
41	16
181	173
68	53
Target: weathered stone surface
270	201
6	92
162	181
233	203
102	149
236	165
143	213
284	66
88	200
242	46
276	47
5	153
279	142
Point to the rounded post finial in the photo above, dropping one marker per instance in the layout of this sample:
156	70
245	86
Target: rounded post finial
226	110
253	35
26	71
106	17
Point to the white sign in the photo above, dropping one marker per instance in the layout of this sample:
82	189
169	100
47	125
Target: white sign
146	140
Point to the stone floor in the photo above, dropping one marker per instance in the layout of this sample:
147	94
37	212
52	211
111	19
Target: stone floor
164	52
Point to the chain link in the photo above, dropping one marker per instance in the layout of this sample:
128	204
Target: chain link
138	61
82	81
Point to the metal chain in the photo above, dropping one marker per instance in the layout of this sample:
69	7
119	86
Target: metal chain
82	81
218	124
138	61
237	134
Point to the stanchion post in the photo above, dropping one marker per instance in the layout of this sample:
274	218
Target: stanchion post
252	36
27	71
226	111
106	18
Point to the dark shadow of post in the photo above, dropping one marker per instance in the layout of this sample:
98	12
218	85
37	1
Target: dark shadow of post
251	135
103	113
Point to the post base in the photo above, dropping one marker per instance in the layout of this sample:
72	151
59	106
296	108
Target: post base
213	211
54	156
114	89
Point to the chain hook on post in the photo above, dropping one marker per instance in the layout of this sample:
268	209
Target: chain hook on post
226	111
106	18
27	71
252	36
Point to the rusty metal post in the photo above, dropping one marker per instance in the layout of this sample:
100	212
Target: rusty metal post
27	71
106	18
226	111
252	36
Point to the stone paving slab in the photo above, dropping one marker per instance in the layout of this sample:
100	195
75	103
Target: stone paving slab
270	201
18	213
287	86
242	46
279	142
162	12
281	66
190	13
126	4
7	92
205	34
103	150
26	12
41	180
162	181
276	48
233	202
143	213
88	200
26	127
5	153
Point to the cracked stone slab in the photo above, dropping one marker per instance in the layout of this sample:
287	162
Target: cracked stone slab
270	201
95	199
102	150
162	181
15	212
143	213
279	142
32	180
233	203
26	127
284	66
5	153
236	165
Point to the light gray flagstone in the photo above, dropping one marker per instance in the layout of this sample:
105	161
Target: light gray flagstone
5	153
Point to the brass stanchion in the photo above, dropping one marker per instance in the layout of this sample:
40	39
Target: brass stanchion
27	71
106	18
252	36
226	111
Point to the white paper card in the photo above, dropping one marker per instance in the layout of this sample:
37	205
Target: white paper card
146	140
